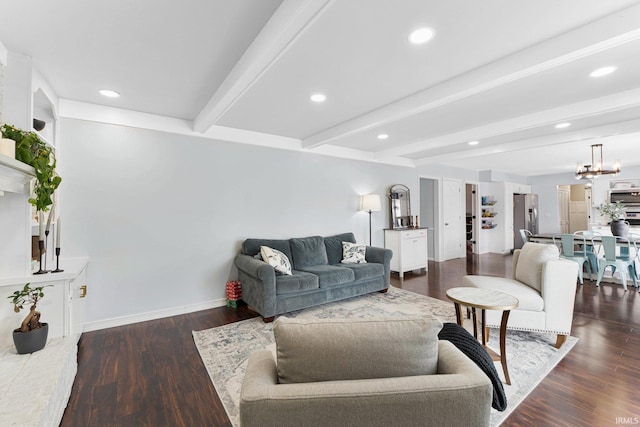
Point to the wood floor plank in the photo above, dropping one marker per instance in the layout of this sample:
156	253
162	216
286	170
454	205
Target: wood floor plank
150	373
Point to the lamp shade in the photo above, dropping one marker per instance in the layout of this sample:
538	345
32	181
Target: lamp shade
370	202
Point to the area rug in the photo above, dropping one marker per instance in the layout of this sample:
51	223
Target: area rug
225	349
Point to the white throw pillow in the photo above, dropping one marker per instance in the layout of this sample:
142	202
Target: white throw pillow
353	253
532	257
276	259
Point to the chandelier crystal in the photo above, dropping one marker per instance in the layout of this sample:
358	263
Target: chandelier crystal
595	169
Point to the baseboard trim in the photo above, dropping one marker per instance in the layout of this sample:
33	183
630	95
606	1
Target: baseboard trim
152	315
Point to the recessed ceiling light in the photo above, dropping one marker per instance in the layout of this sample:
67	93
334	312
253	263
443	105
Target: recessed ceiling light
474	142
563	125
383	136
109	93
318	97
421	35
603	71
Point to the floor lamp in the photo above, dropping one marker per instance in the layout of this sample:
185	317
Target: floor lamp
370	203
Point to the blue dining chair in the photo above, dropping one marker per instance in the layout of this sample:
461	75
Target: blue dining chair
568	242
591	249
623	263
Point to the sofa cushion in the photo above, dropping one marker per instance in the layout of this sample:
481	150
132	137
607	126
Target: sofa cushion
312	350
365	271
299	281
276	259
532	257
333	245
308	251
251	247
353	253
528	298
331	275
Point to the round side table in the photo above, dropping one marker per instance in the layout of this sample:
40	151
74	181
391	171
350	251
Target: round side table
486	299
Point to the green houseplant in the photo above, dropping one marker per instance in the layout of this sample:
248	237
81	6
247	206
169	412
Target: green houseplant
32	150
32	334
615	213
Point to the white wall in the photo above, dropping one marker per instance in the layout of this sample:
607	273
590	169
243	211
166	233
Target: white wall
161	216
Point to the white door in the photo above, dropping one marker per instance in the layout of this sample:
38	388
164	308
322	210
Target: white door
453	232
563	204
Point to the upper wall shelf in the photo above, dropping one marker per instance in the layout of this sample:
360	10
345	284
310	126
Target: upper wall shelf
15	176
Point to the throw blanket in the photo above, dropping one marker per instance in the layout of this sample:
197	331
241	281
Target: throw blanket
470	346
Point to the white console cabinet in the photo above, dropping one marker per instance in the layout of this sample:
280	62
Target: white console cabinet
409	248
63	305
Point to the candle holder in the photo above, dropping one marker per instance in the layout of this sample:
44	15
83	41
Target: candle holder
46	245
41	249
57	270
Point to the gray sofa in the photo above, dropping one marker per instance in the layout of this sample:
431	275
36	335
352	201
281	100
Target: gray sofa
318	276
363	372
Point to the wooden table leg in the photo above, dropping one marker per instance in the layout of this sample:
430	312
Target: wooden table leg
475	322
484	327
458	313
503	347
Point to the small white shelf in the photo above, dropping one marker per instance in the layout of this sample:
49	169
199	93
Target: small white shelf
15	175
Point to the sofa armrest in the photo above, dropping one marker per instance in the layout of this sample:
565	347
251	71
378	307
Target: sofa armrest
258	281
380	256
559	292
461	395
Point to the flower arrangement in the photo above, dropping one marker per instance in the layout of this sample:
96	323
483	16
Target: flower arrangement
614	211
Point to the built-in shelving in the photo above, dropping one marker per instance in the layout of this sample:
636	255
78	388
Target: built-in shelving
15	176
488	213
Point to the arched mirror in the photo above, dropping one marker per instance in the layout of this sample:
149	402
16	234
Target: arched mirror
400	205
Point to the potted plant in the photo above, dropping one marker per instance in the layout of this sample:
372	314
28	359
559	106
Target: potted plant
615	213
32	334
32	150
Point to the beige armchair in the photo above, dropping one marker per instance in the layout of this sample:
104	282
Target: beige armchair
357	372
545	285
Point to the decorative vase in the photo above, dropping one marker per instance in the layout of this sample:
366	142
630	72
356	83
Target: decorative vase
620	228
32	341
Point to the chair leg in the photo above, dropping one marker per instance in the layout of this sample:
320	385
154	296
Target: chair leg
580	275
561	339
623	278
632	273
600	275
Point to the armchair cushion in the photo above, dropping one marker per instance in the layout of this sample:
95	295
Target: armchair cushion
532	257
308	251
529	298
311	350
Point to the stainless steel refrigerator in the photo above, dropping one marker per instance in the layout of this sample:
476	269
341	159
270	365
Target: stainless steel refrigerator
525	215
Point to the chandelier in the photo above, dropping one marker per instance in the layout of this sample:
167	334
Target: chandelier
595	169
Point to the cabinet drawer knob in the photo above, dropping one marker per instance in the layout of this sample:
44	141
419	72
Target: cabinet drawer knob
83	291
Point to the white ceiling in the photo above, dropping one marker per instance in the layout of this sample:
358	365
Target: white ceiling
503	72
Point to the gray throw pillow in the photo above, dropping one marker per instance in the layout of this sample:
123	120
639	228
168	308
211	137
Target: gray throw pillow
308	251
312	350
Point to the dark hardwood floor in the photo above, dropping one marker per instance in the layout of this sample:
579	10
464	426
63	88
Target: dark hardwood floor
150	374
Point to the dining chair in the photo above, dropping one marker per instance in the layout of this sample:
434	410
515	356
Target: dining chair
525	234
591	249
568	242
623	263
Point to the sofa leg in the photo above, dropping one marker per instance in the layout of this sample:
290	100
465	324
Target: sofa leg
384	291
561	339
268	319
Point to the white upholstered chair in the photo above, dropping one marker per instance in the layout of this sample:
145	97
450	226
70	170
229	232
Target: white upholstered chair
545	285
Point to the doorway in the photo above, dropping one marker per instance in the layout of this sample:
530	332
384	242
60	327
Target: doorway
574	202
471	206
429	217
